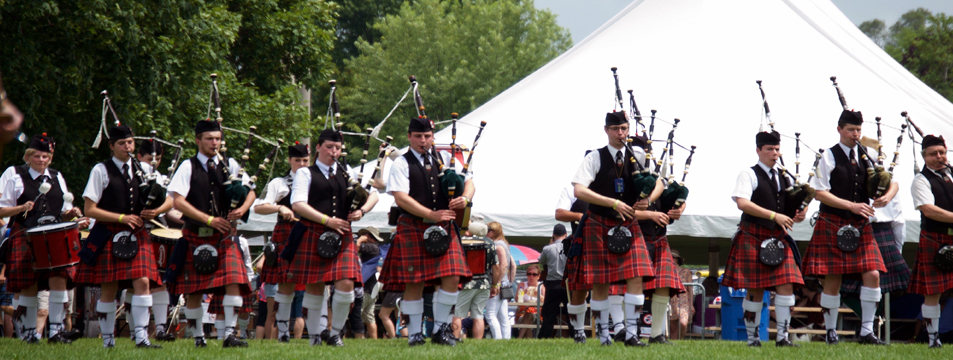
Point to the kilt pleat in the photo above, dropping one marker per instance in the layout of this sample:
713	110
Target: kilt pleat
824	257
310	268
108	268
277	274
927	279
20	274
745	270
599	266
231	267
666	273
408	263
897	276
215	304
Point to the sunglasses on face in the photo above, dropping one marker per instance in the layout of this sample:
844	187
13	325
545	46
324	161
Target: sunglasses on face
532	274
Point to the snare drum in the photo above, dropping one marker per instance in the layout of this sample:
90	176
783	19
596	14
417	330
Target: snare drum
162	242
476	254
54	245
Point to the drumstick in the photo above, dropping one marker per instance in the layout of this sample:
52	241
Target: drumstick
158	224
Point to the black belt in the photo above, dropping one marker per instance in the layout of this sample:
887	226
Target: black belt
883	225
194	228
937	227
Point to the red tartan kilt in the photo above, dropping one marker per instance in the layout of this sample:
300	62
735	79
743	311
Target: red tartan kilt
20	274
927	279
215	305
408	263
617	289
276	274
598	266
310	268
231	267
745	270
108	268
666	273
824	257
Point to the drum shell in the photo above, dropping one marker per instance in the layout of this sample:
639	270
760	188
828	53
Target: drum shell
162	243
476	255
54	248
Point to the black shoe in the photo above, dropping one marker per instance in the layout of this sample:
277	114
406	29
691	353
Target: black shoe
635	341
72	335
416	339
165	336
785	343
443	336
147	345
756	343
233	341
619	335
579	337
335	341
284	339
200	342
661	339
870	339
935	344
832	338
316	340
59	339
325	335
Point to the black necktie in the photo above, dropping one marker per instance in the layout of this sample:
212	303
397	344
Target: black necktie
774	180
125	173
331	171
427	162
618	158
210	169
853	161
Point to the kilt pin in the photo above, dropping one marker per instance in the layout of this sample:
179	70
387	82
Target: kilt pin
596	265
107	268
308	267
408	263
231	267
824	257
745	270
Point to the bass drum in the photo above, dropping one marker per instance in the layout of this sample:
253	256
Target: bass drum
162	242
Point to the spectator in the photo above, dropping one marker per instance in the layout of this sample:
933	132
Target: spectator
6	304
683	307
368	241
554	262
43	299
387	308
528	314
474	294
497	307
296	308
264	323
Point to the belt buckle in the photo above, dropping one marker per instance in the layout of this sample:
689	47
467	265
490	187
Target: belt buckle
949	231
205	231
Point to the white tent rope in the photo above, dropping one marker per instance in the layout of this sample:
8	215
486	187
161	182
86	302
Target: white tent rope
269	142
377	129
157	139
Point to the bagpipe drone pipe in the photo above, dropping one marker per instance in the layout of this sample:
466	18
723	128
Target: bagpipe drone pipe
356	195
878	178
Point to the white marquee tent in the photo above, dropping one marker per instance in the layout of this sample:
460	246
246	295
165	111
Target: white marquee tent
696	60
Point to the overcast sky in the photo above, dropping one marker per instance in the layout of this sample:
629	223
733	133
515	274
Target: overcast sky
582	17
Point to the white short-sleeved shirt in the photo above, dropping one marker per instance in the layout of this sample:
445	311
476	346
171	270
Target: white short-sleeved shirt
99	179
567	197
822	177
399	178
922	191
147	169
183	176
277	189
890	213
12	186
748	181
591	165
302	180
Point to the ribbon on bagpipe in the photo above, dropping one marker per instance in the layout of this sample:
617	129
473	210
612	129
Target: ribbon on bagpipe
798	195
878	178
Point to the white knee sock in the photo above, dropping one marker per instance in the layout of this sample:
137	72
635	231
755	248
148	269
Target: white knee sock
616	312
782	313
415	311
29	317
323	321
242	326
313	303
659	309
127	296
220	326
283	315
17	326
140	315
231	303
340	307
194	318
107	321
830	303
931	315
577	317
633	309
600	309
160	309
752	322
869	298
58	300
443	302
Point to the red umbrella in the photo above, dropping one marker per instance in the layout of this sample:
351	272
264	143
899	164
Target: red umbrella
524	255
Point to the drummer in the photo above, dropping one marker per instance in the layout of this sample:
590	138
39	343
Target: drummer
21	186
112	198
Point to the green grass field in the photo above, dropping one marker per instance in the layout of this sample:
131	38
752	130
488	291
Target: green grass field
471	349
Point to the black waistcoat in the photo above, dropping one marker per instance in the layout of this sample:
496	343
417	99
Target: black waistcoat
286	201
49	205
848	182
767	196
425	185
942	197
604	183
328	195
120	196
578	206
203	191
649	227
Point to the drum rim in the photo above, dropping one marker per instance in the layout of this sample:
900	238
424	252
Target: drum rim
44	229
174	231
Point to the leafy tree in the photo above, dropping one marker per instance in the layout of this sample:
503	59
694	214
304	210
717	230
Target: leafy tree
876	30
925	49
462	52
154	58
356	20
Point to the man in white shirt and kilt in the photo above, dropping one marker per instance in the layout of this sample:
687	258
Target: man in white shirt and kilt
118	252
212	261
843	242
759	194
425	209
933	195
604	181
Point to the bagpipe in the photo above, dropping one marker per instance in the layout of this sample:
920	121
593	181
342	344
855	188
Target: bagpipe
878	178
356	195
797	195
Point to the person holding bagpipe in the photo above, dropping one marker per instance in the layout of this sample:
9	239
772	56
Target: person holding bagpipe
118	252
208	260
843	242
426	249
613	250
32	195
933	195
274	271
760	259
